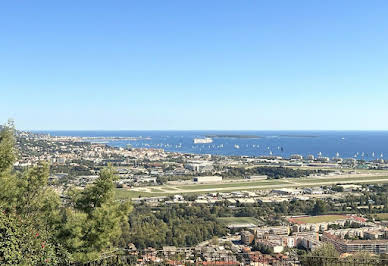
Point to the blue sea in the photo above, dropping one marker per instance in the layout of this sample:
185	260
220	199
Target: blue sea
366	145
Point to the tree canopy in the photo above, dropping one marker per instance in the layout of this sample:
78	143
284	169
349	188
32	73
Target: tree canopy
37	227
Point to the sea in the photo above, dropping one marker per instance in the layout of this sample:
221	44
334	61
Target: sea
366	145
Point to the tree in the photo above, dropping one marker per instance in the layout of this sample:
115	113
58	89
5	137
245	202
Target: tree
7	148
320	207
215	240
326	251
10	245
8	182
27	211
37	228
362	257
93	219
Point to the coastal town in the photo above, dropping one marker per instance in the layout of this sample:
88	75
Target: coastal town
353	219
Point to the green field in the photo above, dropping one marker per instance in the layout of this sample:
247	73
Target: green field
382	216
339	180
317	219
125	194
156	190
238	220
169	188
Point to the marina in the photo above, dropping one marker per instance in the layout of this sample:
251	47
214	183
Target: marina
360	145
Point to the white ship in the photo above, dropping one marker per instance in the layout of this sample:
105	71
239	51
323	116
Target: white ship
202	141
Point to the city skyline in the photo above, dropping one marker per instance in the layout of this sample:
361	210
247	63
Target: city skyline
199	65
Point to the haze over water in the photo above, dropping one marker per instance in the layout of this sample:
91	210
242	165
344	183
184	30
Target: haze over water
348	144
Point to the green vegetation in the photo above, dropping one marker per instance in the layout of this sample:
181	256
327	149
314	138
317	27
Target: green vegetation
381	216
339	180
330	256
318	219
178	226
271	172
324	251
37	228
238	220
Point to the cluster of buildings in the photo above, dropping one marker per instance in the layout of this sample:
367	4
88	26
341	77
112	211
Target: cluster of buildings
359	235
321	161
148	167
276	238
81	158
374	245
234	198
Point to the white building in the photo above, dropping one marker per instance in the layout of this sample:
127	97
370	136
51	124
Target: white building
207	179
200	166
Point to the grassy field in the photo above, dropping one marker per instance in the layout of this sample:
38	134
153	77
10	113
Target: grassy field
382	216
238	220
125	194
317	219
156	190
170	188
338	180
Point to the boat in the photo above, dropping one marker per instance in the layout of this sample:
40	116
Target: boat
202	140
236	146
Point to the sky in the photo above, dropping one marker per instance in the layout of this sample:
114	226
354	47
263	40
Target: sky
194	64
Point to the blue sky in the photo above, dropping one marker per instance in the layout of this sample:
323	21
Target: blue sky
194	64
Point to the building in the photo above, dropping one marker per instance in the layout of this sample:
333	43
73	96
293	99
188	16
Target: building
323	159
286	191
247	237
200	166
275	230
275	245
349	161
207	179
309	241
296	157
313	191
348	246
310	157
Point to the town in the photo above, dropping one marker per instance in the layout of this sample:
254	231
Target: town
271	209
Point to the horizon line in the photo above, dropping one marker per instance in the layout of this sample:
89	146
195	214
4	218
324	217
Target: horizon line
203	130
